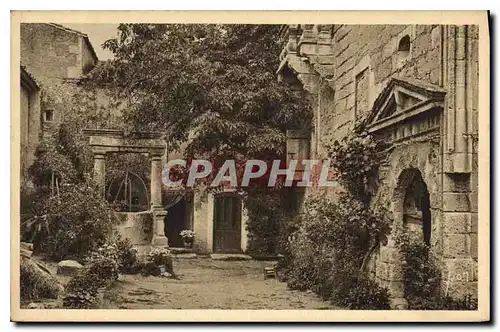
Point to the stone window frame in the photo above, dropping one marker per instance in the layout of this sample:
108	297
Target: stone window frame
409	31
45	117
363	64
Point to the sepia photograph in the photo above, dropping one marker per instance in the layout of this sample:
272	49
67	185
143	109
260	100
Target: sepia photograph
330	167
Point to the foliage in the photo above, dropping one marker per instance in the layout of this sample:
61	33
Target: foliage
159	256
329	250
127	259
226	98
83	289
422	278
35	284
356	159
265	218
74	223
225	104
155	259
362	294
187	235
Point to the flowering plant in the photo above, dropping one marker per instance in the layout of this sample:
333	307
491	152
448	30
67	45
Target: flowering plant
187	235
159	256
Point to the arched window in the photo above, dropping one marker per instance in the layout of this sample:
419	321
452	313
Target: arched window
128	191
404	48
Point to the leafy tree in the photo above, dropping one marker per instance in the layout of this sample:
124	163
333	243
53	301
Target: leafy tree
212	87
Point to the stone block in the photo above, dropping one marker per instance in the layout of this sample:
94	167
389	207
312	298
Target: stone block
436	36
73	72
399	303
456	202
455	245
435	76
457	222
474	246
474	223
69	268
395	272
324	49
385	254
460	269
75	49
325	59
230	257
185	256
458	290
457	183
396	288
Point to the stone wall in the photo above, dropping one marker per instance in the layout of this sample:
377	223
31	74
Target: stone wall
55	55
136	226
345	68
30	122
364	59
49	52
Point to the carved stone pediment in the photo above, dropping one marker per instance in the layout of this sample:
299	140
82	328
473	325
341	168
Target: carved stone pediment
403	100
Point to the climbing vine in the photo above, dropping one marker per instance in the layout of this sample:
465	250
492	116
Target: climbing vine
356	159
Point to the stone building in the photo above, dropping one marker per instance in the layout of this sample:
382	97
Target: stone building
54	55
416	88
57	56
30	120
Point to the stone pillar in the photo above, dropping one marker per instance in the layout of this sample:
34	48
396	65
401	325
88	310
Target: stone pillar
100	170
156	202
159	238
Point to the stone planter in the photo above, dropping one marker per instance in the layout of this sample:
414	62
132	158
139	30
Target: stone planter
188	244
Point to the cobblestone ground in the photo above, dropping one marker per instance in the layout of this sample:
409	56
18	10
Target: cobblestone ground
208	284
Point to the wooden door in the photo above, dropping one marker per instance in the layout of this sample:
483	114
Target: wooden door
227	223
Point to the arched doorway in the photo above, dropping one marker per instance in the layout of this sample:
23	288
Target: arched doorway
416	207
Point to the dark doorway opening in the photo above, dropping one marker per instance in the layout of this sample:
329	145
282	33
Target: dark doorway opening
417	210
177	219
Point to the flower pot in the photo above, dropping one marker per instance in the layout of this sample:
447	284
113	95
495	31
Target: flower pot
188	244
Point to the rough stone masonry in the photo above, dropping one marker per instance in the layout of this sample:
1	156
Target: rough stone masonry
417	88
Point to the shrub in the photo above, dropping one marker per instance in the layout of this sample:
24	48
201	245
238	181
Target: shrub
422	278
155	259
128	261
361	294
36	284
83	289
265	217
73	223
329	250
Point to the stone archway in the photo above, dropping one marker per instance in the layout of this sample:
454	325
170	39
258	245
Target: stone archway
411	211
411	205
104	141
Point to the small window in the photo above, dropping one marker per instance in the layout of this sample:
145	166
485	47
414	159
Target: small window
404	48
48	115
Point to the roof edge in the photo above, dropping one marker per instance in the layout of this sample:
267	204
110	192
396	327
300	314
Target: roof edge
81	34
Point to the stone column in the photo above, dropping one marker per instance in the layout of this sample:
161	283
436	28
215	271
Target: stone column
159	238
156	202
159	214
100	170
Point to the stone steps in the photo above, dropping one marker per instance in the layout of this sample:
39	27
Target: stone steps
230	257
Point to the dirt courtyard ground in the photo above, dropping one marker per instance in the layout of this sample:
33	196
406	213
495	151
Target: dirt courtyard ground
209	284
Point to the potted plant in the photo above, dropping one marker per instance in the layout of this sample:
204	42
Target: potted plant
188	237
